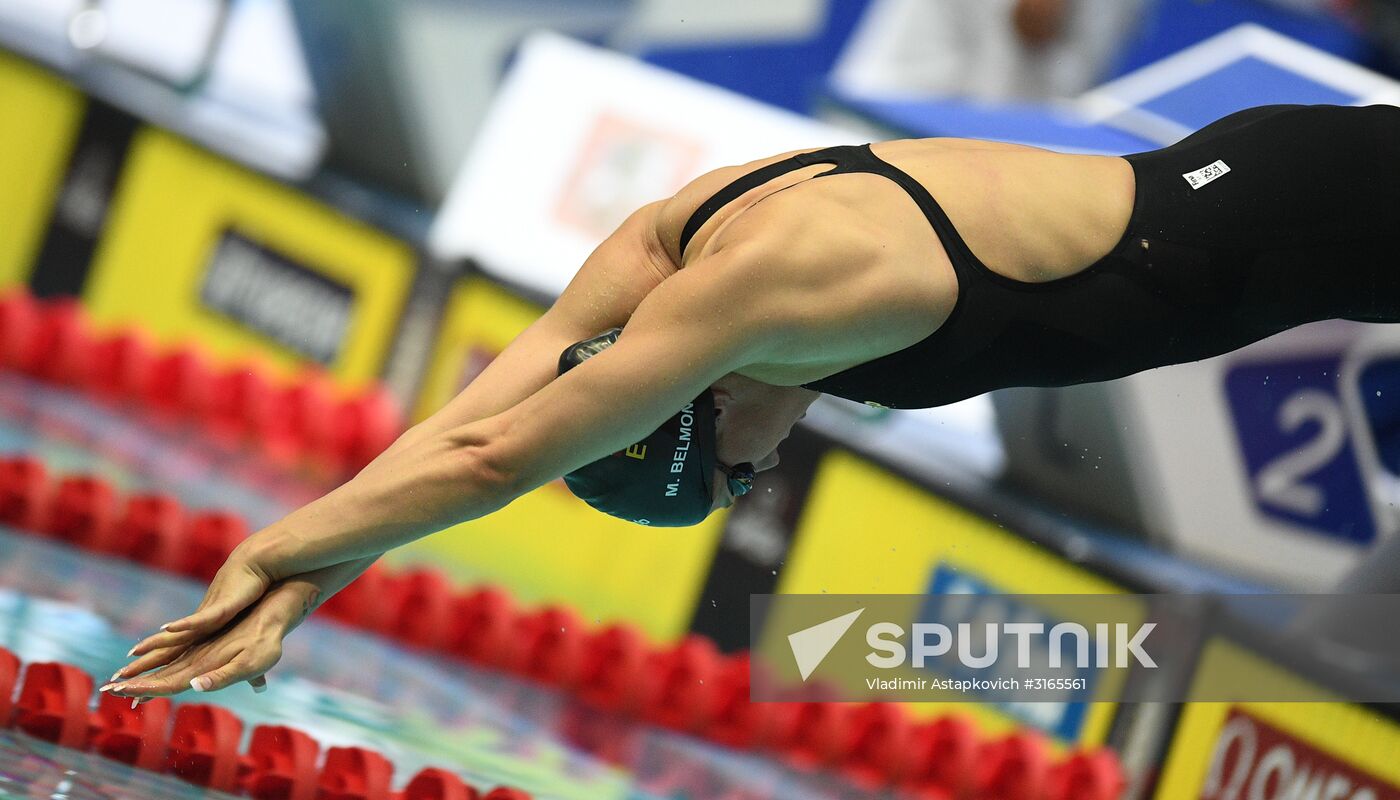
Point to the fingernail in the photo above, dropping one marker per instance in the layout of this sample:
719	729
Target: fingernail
259	688
200	684
115	676
105	688
165	626
132	651
135	701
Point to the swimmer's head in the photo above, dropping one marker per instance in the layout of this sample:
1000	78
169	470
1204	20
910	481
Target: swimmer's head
686	469
752	419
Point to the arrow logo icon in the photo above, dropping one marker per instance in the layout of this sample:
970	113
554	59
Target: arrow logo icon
810	646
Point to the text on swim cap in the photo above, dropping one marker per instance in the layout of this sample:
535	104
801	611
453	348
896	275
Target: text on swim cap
683	449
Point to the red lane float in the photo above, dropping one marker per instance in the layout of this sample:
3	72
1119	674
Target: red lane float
1013	768
201	746
60	347
303	420
678	685
816	734
25	493
419	607
83	512
19	323
354	773
119	365
53	704
204	747
877	752
150	531
240	403
362	602
136	736
362	427
178	383
738	722
547	646
1095	775
10	667
610	668
437	784
281	764
209	538
483	625
944	755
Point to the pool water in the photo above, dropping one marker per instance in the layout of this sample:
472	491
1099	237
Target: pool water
343	687
340	685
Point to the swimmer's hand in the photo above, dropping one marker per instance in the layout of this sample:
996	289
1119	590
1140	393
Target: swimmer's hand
244	650
236	586
276	609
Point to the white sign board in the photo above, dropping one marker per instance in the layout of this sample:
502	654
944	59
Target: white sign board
578	138
172	39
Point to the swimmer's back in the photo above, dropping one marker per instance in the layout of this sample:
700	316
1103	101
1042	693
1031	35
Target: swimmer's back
1027	213
858	262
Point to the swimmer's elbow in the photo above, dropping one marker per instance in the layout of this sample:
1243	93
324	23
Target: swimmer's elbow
479	457
489	475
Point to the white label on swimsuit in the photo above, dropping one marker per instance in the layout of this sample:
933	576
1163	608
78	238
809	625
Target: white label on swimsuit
1206	174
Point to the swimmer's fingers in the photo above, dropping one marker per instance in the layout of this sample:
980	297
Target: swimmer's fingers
250	665
174	677
158	657
238	584
209	671
165	640
243	651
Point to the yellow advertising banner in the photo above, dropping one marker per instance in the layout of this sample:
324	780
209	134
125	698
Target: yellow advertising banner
1224	751
479	320
548	546
39	119
867	531
198	247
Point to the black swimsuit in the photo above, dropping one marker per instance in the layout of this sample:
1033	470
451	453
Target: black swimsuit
1296	228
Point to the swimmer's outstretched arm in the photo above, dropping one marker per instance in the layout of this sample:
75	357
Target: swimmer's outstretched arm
690	330
609	286
607	289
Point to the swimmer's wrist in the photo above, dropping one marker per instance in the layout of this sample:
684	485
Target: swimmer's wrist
294	599
286	606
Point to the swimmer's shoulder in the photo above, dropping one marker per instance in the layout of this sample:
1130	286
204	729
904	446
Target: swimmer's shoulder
676	211
815	263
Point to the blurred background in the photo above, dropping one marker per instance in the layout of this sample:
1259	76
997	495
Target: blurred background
244	243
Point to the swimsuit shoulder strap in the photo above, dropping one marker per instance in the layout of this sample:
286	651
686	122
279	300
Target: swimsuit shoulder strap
845	157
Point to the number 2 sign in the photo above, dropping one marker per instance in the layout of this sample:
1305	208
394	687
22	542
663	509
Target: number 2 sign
1296	444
